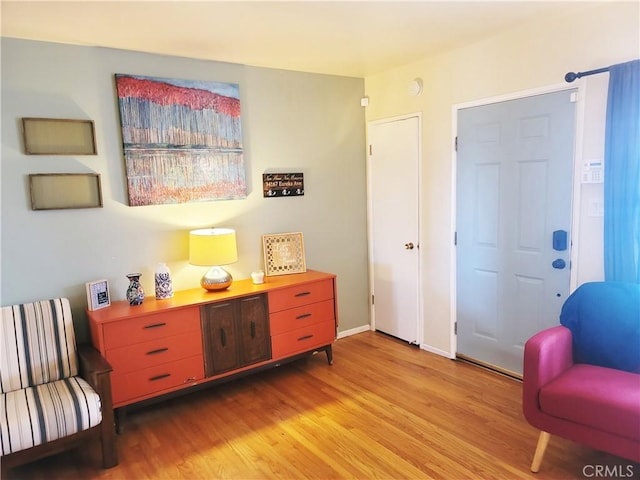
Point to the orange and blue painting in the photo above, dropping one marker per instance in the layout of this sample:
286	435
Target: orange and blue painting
182	140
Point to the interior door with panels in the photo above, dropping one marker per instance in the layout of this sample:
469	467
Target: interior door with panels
394	201
513	219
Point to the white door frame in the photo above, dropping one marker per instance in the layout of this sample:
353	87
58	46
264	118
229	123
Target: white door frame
420	319
575	207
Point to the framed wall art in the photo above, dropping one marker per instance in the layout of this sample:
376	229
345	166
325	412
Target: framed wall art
58	136
51	191
283	253
182	140
98	294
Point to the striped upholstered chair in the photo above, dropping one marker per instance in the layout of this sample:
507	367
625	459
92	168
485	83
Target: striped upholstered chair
53	396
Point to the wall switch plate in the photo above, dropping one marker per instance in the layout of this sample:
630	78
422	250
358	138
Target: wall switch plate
596	207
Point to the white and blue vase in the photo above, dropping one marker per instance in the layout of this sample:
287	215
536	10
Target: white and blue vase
164	287
135	293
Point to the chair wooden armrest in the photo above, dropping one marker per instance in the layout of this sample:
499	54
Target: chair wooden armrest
95	369
92	364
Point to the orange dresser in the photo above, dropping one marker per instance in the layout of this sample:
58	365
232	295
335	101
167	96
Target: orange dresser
158	347
302	317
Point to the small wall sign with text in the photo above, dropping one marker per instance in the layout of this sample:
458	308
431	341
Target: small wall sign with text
282	184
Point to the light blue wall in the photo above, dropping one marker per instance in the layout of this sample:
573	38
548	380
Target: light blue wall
291	121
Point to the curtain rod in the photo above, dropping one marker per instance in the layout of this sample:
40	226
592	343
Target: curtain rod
571	76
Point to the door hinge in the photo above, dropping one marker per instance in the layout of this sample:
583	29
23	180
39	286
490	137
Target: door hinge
456	144
372	299
370	150
455	238
455	328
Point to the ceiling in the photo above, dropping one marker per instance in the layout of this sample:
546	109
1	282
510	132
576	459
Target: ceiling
354	38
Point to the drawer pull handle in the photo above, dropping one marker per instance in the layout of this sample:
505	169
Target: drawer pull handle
304	315
302	294
159	377
223	337
306	337
159	350
253	329
155	325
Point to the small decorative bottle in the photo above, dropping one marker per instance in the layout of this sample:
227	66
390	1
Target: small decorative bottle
164	288
135	293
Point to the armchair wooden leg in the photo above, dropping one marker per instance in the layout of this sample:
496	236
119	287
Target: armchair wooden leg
543	441
108	446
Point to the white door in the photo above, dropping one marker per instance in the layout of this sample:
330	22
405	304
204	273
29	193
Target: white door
513	201
394	155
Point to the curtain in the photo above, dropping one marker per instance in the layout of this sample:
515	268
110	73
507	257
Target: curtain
622	175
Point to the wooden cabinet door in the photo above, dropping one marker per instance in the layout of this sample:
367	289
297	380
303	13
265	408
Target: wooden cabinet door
220	339
253	329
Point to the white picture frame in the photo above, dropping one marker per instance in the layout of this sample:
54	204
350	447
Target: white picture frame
98	295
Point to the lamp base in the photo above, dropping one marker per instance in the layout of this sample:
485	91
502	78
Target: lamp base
217	278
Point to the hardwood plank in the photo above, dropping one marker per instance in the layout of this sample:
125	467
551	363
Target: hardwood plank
383	410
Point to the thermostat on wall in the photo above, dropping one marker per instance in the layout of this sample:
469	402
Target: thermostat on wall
593	171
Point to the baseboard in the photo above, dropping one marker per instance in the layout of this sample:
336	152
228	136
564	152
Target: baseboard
354	331
437	351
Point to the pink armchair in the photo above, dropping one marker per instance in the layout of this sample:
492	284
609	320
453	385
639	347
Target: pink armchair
581	379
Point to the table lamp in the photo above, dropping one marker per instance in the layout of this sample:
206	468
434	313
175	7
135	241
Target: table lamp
212	247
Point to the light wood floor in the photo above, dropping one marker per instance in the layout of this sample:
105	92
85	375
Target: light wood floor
384	409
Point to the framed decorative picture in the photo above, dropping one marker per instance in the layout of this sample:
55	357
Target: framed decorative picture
98	294
283	253
182	140
58	136
50	191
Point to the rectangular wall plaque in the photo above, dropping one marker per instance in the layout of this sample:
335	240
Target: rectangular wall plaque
58	136
50	191
282	184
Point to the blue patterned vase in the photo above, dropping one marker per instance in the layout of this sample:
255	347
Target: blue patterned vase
135	293
164	288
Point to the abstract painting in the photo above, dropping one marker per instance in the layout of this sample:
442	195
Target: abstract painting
182	140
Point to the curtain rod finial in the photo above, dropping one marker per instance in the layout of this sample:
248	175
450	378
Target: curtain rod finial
570	77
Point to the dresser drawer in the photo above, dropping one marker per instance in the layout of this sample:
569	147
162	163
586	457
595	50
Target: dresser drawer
128	386
156	352
302	339
299	295
151	327
299	317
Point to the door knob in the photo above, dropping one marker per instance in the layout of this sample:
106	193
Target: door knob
559	263
408	246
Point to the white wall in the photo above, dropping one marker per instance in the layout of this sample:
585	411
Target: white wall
532	56
294	122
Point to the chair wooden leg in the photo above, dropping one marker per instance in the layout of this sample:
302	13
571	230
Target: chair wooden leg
543	441
109	447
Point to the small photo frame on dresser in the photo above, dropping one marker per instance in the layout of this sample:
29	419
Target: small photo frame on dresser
98	294
283	253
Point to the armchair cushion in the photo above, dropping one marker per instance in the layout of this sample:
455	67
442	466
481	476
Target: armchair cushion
46	412
604	319
37	344
600	397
